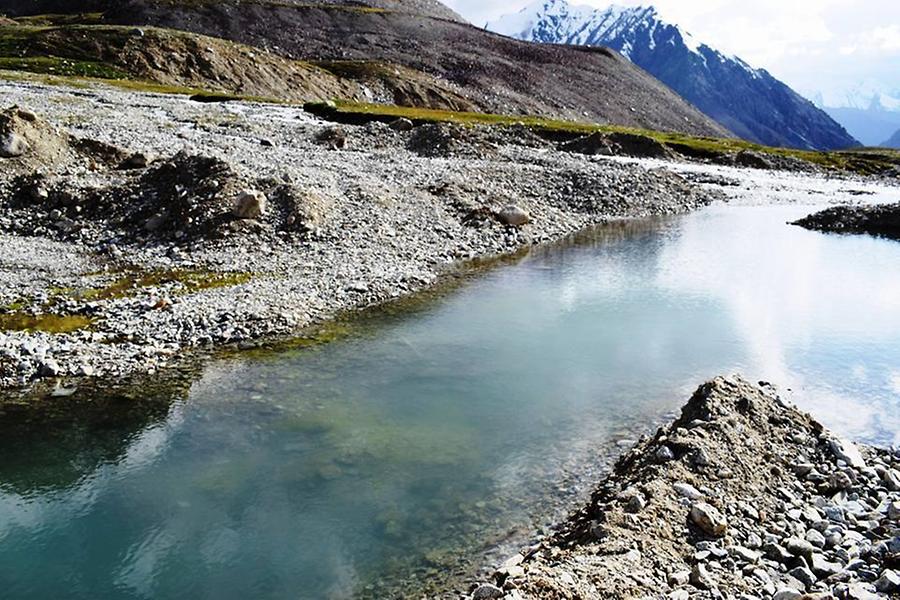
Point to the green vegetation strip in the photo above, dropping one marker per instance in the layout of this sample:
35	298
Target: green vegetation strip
48	323
189	281
864	161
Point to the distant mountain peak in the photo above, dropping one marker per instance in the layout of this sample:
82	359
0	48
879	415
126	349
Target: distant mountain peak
748	101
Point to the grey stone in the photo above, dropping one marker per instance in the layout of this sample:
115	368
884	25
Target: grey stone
708	519
847	451
487	591
664	454
700	458
889	582
891	480
13	145
250	204
799	547
858	591
514	216
745	554
823	567
804	576
815	538
893	511
688	491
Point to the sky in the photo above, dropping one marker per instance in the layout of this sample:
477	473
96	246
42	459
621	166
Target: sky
832	47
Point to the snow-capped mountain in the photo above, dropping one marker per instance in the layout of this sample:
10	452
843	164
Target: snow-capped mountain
868	110
749	102
864	95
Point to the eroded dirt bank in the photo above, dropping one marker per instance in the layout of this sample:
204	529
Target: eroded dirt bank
743	496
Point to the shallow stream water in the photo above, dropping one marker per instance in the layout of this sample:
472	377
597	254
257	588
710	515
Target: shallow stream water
393	457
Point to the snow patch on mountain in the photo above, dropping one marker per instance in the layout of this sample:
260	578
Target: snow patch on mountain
619	27
748	101
865	95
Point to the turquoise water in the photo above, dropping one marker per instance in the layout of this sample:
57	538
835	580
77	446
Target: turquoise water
396	455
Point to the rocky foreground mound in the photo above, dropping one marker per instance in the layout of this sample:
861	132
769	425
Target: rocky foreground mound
882	220
741	497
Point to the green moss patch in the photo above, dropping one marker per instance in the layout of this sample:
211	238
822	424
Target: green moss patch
189	281
48	323
51	65
863	161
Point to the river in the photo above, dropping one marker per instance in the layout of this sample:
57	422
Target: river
394	457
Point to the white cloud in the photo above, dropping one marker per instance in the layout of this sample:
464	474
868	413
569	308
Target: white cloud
811	44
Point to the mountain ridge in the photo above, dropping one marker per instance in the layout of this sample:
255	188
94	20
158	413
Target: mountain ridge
492	73
747	101
893	141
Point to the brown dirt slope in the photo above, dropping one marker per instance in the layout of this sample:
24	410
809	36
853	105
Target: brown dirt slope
495	74
176	58
498	74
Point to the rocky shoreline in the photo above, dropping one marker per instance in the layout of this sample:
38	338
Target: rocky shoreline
743	496
138	228
880	220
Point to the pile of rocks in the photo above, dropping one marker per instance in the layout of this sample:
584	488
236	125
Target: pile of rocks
446	140
182	200
880	219
741	497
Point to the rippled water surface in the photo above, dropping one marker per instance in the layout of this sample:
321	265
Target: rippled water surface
395	453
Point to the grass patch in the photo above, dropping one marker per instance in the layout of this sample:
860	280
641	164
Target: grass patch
48	323
95	18
866	161
189	281
52	65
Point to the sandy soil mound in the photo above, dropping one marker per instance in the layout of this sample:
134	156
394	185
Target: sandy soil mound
742	496
28	142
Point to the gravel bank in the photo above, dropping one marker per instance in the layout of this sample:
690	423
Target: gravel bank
123	246
129	202
742	497
880	220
